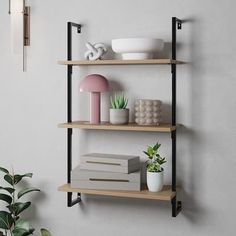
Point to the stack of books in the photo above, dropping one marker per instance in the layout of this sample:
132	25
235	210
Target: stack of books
107	172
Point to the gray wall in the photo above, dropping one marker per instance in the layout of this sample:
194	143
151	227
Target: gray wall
32	103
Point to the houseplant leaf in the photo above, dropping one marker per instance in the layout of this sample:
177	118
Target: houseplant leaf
9	179
6	198
18	178
156	146
9	190
25	191
6	220
45	232
4	170
22	232
22	228
146	153
18	207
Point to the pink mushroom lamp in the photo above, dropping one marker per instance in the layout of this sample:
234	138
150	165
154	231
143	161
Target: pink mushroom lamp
95	84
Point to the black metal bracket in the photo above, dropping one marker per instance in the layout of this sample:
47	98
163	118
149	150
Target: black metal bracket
70	25
71	202
176	205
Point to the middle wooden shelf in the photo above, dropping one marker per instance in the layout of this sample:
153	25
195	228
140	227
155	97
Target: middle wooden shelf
128	127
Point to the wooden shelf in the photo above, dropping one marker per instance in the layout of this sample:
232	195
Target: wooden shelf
165	195
128	127
121	62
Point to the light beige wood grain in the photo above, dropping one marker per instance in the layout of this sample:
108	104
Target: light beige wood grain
165	195
128	127
121	62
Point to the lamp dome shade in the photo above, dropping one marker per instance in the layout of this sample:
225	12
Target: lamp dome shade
94	83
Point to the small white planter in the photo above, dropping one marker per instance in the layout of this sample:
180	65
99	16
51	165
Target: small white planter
155	181
119	116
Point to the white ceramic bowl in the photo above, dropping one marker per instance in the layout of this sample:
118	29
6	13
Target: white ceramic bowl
137	48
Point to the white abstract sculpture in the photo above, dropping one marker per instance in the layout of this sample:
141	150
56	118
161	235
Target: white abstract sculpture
95	51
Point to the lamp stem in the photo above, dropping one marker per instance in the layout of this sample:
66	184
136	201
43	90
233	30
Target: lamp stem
95	107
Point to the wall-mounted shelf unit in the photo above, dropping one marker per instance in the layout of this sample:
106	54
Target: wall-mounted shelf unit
169	193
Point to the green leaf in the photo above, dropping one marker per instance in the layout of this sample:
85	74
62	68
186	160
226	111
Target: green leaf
14	179
113	105
25	191
150	151
22	228
18	178
6	220
9	190
146	153
116	104
45	232
4	170
156	146
6	198
23	224
9	179
18	207
22	232
126	103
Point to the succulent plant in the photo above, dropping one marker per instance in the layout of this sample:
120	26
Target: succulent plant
118	101
155	160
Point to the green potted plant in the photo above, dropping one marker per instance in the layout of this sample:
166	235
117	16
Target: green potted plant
155	172
11	221
119	114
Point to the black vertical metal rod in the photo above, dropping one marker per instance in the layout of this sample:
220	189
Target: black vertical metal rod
176	206
69	109
173	134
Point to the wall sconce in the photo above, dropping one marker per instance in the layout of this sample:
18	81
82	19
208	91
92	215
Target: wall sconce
20	27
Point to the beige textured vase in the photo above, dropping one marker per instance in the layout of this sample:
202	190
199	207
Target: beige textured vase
147	112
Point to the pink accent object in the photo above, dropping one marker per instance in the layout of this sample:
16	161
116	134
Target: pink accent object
95	84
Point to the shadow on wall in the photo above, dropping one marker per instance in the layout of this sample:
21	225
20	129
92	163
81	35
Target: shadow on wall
36	200
194	179
167	50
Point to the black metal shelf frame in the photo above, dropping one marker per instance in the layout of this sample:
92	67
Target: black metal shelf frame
176	25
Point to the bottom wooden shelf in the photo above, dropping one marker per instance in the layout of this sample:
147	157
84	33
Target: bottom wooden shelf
165	195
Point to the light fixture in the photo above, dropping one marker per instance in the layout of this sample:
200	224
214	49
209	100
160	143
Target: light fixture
20	27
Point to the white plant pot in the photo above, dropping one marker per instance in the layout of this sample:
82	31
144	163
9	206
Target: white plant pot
119	116
155	181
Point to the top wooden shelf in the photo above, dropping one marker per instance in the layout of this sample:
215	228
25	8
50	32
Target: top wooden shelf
121	62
